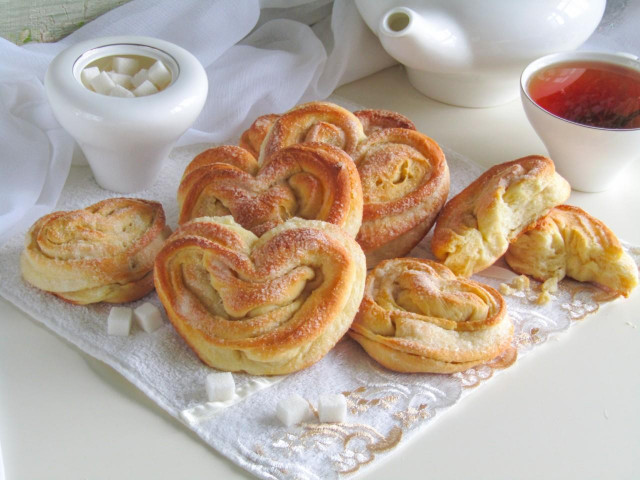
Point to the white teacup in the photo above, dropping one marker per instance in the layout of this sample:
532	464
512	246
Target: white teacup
590	158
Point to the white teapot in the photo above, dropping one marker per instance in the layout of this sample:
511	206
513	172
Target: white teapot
471	53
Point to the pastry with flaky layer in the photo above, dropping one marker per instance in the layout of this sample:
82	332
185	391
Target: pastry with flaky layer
314	122
373	120
569	241
252	138
269	305
312	180
475	227
103	253
405	183
417	316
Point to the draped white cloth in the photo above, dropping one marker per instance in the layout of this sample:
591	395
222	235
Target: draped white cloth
260	57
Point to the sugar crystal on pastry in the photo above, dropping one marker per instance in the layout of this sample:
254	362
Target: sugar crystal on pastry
293	410
569	241
417	316
312	181
265	305
220	386
148	317
475	227
332	408
119	321
103	252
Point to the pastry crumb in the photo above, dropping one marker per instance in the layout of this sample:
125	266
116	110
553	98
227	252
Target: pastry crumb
519	284
549	286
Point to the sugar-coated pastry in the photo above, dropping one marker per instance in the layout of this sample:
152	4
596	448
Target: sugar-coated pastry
311	180
102	253
568	241
267	306
417	316
475	227
374	120
314	122
253	137
405	183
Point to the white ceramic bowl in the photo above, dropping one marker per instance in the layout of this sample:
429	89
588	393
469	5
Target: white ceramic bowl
590	158
126	140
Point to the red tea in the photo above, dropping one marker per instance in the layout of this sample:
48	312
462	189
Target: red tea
597	94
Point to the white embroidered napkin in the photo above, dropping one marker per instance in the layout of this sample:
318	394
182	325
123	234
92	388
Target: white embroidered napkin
384	408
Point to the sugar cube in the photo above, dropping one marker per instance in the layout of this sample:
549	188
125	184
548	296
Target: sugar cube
332	408
139	77
148	317
120	91
125	65
293	409
145	88
121	79
119	321
102	83
88	74
220	386
159	74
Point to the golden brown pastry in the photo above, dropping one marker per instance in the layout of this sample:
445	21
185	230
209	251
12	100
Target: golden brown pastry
374	120
417	316
475	227
103	253
311	180
267	306
405	183
314	122
569	241
253	137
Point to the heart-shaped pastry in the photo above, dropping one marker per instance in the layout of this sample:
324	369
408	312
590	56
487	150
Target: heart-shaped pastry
313	181
568	241
404	173
405	183
102	253
268	305
475	227
417	316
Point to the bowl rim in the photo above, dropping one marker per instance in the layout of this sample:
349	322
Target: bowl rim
620	58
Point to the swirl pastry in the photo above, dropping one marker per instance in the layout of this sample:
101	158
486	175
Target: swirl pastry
252	138
312	181
405	183
267	306
417	316
569	241
374	120
475	227
103	253
314	122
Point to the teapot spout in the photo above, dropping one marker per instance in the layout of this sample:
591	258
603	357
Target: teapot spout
420	42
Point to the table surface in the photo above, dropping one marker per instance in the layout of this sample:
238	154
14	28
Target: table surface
569	409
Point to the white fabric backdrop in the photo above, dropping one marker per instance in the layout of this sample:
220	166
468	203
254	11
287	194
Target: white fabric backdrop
260	57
